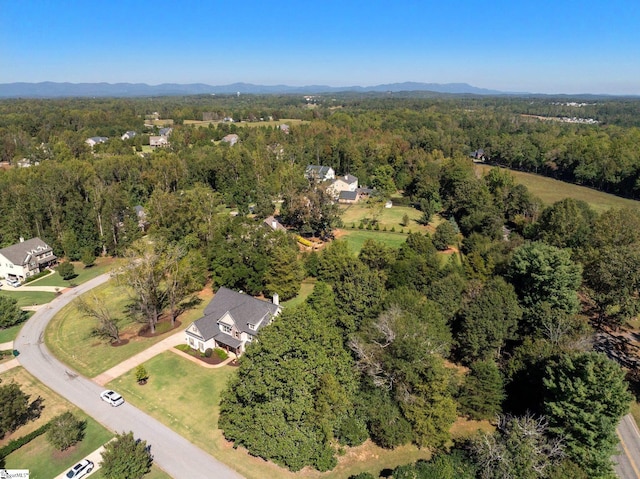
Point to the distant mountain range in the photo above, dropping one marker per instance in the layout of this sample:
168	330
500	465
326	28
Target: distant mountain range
58	90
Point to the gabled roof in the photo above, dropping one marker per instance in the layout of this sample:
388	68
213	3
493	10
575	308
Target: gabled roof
165	131
350	179
317	171
244	310
20	253
348	195
274	224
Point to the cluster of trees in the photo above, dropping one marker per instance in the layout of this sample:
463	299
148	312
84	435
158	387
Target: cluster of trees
507	308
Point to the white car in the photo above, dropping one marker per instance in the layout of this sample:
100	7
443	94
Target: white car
15	283
112	397
81	469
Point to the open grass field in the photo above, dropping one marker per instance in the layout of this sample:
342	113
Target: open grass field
250	124
69	338
550	191
38	456
356	238
103	265
193	412
353	215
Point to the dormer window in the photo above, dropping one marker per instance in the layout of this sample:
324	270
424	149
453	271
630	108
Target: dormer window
252	327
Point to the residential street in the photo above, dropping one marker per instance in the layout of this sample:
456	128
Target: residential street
628	462
174	454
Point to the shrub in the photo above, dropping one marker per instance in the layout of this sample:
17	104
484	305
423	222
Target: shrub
221	354
16	444
361	225
66	270
393	229
208	353
141	374
65	431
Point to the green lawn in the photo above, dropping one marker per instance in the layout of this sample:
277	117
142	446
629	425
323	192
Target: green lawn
45	462
38	456
355	238
103	265
28	298
306	288
392	217
68	335
10	334
550	191
193	412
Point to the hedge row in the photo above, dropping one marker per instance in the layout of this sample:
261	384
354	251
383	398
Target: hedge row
16	444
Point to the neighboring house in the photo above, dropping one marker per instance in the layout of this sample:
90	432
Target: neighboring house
478	155
231	138
343	183
284	128
319	173
230	321
26	258
165	131
94	140
274	224
142	217
158	141
128	135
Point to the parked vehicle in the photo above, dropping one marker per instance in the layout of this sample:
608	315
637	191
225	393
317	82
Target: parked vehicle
81	469
112	397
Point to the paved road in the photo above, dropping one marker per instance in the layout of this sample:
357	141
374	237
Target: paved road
628	461
174	454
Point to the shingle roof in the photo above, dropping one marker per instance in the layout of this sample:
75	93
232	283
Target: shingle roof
348	195
350	179
244	310
19	253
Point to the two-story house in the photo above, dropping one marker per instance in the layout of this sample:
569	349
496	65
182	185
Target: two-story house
24	259
230	321
319	173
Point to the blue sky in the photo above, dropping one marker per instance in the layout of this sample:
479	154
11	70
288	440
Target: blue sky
560	46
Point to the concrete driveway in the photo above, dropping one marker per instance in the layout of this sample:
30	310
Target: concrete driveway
174	454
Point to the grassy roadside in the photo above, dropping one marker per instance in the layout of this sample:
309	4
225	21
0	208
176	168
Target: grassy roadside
69	337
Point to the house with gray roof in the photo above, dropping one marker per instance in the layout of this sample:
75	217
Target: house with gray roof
26	258
230	321
319	173
94	140
128	135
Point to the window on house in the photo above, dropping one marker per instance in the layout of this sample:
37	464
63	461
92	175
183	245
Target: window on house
225	328
252	326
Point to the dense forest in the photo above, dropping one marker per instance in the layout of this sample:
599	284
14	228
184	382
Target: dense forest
393	345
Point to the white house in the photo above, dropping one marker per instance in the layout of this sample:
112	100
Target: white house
230	321
319	173
231	138
24	259
128	135
94	140
158	141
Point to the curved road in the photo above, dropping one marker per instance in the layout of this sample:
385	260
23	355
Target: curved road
174	454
